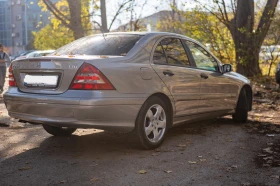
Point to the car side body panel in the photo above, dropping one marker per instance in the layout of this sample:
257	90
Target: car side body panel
135	79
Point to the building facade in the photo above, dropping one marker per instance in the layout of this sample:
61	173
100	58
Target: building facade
18	19
5	24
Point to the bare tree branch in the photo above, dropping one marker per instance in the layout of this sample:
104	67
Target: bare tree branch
119	11
52	8
266	19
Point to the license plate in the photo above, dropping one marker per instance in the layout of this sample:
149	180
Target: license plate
41	81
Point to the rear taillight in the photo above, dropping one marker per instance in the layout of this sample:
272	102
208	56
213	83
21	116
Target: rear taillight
12	81
89	77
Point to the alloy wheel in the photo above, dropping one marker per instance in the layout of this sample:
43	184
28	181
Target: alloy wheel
155	123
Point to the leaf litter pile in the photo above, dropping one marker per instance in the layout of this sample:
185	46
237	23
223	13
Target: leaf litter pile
265	120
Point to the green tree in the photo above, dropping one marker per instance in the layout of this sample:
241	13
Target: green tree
71	14
205	28
247	32
51	37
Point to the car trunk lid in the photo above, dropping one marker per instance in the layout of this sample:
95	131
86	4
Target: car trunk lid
49	75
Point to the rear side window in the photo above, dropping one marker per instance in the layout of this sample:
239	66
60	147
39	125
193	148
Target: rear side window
112	45
175	52
159	56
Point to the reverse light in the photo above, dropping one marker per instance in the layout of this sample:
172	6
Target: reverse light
12	81
89	77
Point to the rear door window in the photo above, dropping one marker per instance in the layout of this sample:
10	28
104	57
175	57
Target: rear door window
175	52
112	45
159	55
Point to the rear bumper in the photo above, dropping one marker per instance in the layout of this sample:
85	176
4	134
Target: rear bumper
108	113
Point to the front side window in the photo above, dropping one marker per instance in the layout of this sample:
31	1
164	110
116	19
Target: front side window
175	52
111	45
202	58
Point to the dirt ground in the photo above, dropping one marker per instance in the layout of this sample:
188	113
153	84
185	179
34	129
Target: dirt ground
216	152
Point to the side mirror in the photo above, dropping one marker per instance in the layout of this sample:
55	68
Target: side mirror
226	68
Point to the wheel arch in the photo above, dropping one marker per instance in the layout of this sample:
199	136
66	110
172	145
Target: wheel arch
169	104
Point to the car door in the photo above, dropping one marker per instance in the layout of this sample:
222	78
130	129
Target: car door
172	64
218	92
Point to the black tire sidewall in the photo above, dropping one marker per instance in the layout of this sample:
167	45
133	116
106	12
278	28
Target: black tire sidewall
140	128
58	131
241	112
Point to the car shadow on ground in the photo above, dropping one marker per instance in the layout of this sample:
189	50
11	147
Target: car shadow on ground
56	159
95	141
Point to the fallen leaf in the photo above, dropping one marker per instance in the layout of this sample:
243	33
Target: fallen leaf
93	165
142	172
94	179
192	162
266	165
63	181
270	135
181	145
168	171
202	160
275	176
25	168
228	169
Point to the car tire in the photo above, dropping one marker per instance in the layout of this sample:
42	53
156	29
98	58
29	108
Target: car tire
241	111
59	131
152	123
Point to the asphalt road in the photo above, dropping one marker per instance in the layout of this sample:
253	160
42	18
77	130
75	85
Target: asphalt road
212	153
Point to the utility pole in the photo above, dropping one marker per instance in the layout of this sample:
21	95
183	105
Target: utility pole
26	34
104	28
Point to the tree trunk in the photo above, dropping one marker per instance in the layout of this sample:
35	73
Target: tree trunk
246	47
76	26
247	59
270	67
247	40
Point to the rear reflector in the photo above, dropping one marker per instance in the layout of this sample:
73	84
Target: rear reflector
89	77
12	81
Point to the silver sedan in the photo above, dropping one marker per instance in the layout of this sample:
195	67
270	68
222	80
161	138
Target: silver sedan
133	82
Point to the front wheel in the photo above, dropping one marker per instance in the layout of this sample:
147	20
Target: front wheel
241	111
152	122
59	131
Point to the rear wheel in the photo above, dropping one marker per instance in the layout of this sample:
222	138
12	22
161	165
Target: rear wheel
151	123
241	111
59	131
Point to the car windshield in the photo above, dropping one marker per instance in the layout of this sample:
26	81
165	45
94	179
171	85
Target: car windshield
111	45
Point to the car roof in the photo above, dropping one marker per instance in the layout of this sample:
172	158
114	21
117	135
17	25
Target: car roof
151	34
140	33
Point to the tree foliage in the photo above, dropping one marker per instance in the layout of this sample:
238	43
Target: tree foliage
60	32
71	14
204	28
52	37
247	32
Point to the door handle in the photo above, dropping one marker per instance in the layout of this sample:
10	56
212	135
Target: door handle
168	73
204	76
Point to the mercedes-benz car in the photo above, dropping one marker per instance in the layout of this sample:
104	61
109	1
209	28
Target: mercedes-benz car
143	83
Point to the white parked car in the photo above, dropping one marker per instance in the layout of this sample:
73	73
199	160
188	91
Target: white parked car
270	52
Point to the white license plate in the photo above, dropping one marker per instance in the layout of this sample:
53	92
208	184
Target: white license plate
41	80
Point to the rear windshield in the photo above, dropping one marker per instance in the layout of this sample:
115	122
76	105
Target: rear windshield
112	45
